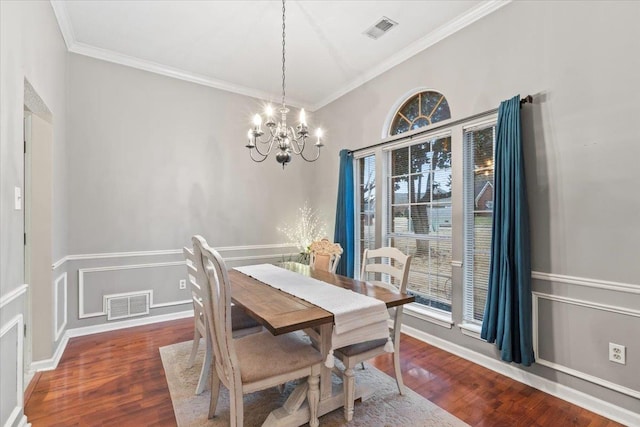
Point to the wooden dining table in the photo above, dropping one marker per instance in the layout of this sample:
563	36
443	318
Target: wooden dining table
281	313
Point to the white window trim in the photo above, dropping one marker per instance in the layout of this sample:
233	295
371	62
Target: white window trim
437	317
472	330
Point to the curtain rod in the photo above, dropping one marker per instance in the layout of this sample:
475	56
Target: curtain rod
525	100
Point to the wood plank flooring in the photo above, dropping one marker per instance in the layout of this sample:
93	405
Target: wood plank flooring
116	379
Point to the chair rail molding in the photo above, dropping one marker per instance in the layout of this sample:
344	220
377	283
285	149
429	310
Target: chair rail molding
588	304
13	294
222	249
587	282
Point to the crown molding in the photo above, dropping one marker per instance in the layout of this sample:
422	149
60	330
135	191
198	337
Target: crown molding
416	47
74	46
460	22
64	22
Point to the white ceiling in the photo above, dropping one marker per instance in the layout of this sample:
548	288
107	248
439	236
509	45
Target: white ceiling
236	45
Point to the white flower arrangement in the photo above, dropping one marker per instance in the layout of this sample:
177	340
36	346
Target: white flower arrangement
309	228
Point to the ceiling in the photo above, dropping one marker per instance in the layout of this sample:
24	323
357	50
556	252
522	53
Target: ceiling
237	45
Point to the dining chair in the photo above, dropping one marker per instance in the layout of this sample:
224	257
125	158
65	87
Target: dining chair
393	268
241	323
325	255
254	362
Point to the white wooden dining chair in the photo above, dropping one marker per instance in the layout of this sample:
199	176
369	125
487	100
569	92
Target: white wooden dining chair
242	323
394	267
254	362
325	255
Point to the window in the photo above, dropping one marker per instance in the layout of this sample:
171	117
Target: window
479	144
422	109
419	216
366	175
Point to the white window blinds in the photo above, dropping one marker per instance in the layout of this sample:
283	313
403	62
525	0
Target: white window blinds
478	152
366	208
419	216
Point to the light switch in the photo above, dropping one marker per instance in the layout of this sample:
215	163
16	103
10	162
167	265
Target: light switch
18	198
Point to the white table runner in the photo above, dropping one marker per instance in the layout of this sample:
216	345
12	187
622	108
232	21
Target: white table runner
357	317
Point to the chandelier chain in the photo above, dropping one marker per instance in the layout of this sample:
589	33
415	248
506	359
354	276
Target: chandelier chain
283	52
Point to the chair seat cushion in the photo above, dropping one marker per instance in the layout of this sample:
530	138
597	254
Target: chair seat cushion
352	350
241	320
263	355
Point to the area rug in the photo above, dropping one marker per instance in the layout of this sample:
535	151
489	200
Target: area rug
385	408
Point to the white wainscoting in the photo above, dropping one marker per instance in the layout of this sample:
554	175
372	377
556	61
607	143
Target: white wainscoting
553	388
16	323
82	272
59	295
569	370
279	251
222	249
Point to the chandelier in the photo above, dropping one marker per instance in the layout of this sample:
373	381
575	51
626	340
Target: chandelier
280	135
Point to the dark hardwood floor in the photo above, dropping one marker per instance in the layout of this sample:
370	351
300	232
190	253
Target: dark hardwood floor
116	379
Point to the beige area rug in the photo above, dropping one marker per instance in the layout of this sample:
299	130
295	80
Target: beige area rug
385	408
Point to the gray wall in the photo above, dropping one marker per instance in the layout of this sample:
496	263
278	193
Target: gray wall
30	48
151	162
580	61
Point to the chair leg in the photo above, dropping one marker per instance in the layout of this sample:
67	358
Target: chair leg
215	393
349	384
313	397
237	408
206	369
194	347
396	366
362	365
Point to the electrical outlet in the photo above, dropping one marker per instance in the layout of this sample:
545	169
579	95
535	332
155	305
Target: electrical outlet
183	284
617	353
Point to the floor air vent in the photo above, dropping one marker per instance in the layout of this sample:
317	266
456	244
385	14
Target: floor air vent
121	306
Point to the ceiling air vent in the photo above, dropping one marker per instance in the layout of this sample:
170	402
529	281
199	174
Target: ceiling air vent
383	25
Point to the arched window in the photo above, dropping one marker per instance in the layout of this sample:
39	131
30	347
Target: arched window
422	109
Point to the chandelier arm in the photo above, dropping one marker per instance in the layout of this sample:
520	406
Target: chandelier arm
298	144
260	160
311	160
270	142
268	139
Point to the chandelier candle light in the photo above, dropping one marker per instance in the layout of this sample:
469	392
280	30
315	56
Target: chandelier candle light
279	134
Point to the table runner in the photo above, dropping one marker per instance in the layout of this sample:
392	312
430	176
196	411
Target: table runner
357	317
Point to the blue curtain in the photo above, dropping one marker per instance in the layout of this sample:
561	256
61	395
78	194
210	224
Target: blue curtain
507	314
345	213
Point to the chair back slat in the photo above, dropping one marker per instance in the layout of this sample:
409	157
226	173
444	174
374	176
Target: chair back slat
218	308
394	263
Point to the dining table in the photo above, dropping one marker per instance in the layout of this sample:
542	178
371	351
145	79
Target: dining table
282	313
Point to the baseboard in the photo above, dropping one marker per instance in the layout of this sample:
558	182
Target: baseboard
561	391
35	377
52	363
23	422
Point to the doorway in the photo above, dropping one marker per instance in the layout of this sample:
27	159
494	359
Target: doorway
37	205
